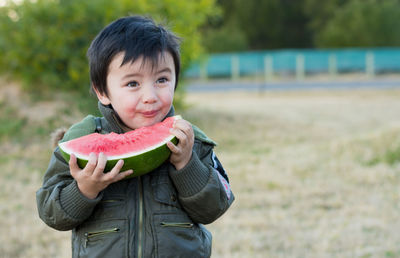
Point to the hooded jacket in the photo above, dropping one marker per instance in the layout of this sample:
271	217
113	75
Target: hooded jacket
159	214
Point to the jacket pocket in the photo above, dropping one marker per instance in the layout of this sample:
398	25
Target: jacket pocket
164	191
110	207
102	239
177	236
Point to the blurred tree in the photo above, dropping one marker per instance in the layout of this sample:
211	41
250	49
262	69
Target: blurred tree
274	23
321	12
43	43
226	38
269	24
357	23
259	24
221	33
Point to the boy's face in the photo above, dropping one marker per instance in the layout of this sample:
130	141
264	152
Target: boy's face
140	94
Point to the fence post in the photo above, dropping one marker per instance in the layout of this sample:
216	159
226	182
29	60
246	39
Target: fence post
268	68
300	67
332	65
203	71
235	68
370	64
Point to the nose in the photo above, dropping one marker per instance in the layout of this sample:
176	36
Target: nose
149	94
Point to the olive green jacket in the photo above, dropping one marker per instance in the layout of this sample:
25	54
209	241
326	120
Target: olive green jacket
159	214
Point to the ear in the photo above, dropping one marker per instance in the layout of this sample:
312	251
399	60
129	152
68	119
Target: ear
102	97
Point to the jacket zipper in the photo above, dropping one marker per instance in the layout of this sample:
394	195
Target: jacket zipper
139	249
89	235
177	224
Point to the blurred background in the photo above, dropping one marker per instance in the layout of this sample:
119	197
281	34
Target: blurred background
302	97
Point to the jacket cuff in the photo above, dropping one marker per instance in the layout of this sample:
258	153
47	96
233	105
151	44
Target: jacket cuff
75	204
192	178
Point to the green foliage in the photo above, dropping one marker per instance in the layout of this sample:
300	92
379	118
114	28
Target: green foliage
259	25
273	23
225	39
270	24
321	12
222	32
365	23
44	42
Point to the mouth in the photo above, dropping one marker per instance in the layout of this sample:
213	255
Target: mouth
149	114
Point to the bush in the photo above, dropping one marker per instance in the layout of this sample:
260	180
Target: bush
44	42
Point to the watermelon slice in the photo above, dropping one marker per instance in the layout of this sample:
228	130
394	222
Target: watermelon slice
142	150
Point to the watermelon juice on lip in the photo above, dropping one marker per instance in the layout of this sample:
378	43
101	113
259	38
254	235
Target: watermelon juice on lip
142	150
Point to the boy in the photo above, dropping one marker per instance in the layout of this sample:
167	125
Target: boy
134	69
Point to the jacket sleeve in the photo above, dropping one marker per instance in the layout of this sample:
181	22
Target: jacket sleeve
60	203
202	185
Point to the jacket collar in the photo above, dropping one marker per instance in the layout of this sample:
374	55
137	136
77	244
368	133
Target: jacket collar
115	123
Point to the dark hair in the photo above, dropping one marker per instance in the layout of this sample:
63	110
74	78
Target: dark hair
137	36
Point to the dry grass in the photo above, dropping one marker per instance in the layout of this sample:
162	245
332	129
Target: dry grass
307	168
297	162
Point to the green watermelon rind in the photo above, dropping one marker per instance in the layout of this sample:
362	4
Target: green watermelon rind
141	164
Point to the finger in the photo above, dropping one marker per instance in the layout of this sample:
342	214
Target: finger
92	163
179	134
183	125
73	164
115	170
122	175
176	121
187	129
173	148
101	164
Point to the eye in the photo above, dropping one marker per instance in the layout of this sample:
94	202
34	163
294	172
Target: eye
132	84
162	80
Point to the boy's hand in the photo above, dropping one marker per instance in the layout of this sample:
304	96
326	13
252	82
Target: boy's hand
182	152
91	179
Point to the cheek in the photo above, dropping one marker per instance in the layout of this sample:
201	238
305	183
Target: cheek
126	103
167	98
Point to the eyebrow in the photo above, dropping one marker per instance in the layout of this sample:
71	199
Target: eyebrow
130	75
166	69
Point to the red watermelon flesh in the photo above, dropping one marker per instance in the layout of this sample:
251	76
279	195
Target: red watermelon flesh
142	149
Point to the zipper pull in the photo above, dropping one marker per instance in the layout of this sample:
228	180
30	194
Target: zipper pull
177	224
86	239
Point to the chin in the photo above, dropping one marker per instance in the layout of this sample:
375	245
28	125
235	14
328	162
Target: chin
146	122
